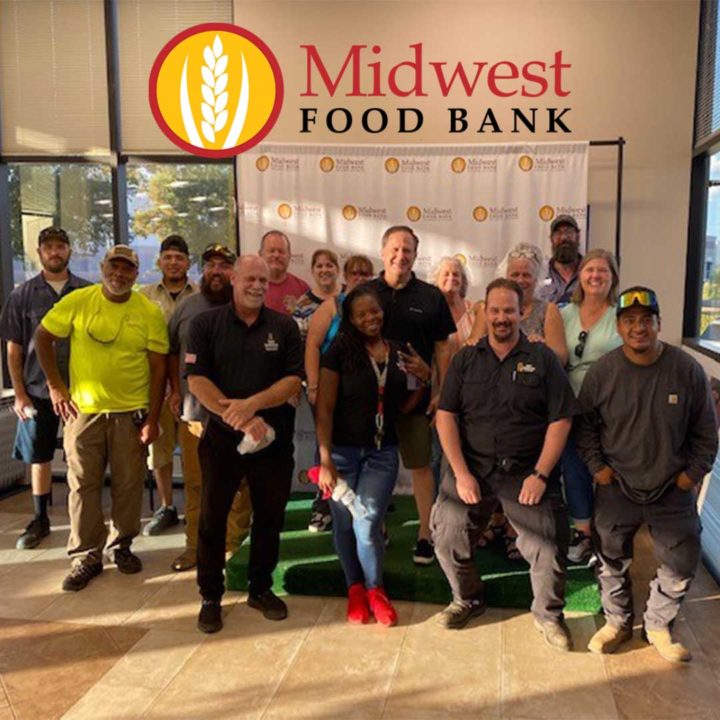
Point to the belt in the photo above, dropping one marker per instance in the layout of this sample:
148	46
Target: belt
508	465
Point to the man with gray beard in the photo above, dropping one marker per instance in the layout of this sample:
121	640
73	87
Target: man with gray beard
562	276
215	291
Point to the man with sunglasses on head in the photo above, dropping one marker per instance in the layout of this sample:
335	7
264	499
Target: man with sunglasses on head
562	276
167	294
37	426
111	410
215	291
648	436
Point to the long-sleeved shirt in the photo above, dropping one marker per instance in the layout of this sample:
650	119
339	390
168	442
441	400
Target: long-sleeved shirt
647	422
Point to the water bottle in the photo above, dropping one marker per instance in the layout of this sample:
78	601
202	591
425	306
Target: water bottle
344	494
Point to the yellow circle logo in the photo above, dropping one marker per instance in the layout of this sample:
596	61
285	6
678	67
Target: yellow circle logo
546	213
284	211
413	213
262	163
327	164
216	90
461	259
458	165
525	163
480	213
349	212
392	165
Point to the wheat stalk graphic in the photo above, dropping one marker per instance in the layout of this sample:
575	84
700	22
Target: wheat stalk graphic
213	88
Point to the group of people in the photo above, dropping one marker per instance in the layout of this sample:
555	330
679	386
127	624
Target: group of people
549	416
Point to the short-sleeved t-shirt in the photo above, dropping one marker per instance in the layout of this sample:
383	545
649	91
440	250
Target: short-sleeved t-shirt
243	360
26	306
283	296
305	308
505	406
356	406
601	339
109	366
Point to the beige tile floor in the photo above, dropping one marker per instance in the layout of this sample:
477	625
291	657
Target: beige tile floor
127	647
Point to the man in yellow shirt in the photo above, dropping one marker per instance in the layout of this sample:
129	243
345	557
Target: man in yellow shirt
117	381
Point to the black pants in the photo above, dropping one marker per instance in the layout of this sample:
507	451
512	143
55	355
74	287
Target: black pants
675	530
543	538
269	478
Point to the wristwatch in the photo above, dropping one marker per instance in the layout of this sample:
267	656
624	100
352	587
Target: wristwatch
539	475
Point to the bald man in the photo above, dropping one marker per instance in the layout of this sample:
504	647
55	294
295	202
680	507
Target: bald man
243	362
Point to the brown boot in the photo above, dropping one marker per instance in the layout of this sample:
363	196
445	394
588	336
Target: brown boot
184	562
608	639
663	642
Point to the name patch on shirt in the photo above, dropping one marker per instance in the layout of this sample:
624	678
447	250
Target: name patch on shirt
271	344
416	310
672	399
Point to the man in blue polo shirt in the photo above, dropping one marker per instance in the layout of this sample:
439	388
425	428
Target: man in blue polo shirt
37	423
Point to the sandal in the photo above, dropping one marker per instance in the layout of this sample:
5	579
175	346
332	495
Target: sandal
493	532
511	549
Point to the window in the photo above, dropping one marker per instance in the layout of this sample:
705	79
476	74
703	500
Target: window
195	200
75	197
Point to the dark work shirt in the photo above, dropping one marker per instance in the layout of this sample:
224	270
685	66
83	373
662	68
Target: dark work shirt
416	313
555	289
244	360
26	306
356	406
647	422
504	407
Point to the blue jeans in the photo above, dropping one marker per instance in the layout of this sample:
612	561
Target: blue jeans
359	543
578	482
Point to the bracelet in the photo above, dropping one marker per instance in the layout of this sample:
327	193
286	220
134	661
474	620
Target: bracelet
539	475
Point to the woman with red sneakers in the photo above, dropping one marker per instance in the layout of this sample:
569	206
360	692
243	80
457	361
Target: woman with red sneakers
362	389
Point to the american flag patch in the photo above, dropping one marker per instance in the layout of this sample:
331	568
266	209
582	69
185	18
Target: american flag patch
190	357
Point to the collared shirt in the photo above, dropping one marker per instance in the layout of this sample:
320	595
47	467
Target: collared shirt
504	407
26	306
243	360
556	289
160	295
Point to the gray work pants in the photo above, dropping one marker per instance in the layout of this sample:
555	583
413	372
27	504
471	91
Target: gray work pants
543	537
675	530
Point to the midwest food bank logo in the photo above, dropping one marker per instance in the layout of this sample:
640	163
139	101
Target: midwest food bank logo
216	90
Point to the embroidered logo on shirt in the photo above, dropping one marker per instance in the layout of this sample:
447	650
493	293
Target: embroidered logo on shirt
525	368
270	344
672	399
190	358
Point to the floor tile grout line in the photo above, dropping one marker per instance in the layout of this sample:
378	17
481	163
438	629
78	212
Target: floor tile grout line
396	666
7	696
293	660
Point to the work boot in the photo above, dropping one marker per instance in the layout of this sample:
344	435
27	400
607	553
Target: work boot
666	647
608	639
555	633
459	613
33	534
210	617
187	560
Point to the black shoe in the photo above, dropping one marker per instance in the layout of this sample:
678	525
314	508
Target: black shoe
165	517
271	606
126	561
38	529
458	614
80	576
423	554
210	617
319	522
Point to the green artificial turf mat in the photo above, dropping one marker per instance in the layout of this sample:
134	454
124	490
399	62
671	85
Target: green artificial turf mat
309	566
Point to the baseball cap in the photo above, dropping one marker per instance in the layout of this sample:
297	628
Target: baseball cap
217	249
174	242
637	296
122	252
53	233
564	220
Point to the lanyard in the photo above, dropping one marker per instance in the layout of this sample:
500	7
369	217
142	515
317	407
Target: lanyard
381	378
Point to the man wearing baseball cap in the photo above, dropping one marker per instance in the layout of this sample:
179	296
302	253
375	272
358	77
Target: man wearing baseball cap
37	424
174	286
111	409
563	266
648	436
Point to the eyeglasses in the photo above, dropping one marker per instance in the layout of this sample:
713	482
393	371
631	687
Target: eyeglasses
528	254
100	330
358	273
580	347
643	298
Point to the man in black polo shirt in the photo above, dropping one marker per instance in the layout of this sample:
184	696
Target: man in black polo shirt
504	416
243	363
38	425
415	313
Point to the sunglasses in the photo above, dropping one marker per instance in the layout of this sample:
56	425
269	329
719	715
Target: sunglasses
580	347
101	331
643	298
527	254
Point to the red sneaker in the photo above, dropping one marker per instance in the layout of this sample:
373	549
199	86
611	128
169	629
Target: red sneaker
358	611
381	607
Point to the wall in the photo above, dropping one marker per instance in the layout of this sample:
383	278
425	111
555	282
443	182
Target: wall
632	74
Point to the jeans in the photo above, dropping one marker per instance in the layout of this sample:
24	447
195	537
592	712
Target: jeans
578	483
359	542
